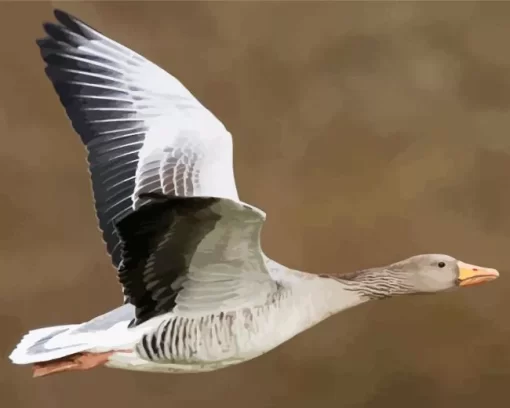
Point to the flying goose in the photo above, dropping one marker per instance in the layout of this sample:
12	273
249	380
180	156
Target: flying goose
199	293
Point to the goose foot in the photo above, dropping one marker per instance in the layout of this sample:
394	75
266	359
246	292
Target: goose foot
74	362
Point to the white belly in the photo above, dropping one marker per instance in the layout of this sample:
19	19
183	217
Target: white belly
132	362
209	344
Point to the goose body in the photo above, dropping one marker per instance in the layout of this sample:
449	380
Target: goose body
216	340
199	293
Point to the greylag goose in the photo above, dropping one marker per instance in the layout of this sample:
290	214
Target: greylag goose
199	293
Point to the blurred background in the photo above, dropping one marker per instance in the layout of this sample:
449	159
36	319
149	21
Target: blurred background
368	132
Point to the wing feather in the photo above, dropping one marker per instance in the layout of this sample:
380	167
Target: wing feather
144	131
193	256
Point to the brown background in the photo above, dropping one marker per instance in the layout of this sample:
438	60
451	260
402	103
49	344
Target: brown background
369	132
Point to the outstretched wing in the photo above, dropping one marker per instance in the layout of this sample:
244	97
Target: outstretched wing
144	131
193	256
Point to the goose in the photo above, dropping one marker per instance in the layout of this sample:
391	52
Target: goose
199	294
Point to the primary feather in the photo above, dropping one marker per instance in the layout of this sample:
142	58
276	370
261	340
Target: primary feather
144	131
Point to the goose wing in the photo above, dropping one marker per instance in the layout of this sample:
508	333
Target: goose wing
144	131
193	256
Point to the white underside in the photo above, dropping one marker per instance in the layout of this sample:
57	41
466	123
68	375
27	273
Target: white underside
131	361
308	302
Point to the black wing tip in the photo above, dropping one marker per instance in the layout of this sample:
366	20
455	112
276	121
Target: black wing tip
55	30
66	22
66	19
41	42
62	15
48	26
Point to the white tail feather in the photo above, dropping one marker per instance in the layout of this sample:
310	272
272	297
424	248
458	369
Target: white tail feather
33	346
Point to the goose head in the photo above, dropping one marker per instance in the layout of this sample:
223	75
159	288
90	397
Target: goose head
428	273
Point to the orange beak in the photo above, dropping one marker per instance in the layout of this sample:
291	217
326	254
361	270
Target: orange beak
474	275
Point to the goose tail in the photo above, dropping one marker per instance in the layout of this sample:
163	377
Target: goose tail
47	344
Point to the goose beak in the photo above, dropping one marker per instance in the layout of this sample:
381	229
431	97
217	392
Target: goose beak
474	275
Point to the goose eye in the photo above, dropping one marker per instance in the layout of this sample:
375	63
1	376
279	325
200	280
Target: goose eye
441	264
